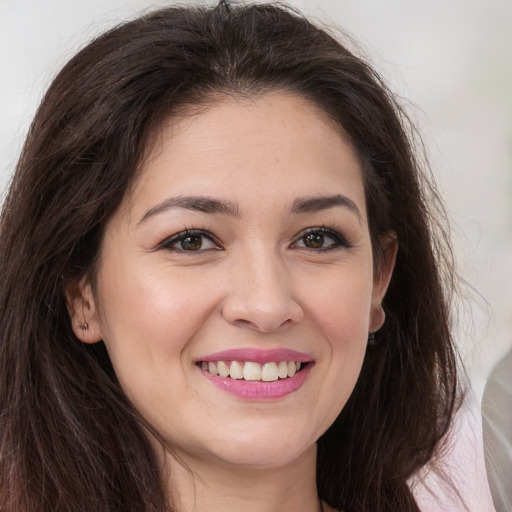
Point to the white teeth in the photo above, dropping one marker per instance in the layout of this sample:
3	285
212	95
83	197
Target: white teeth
252	371
212	368
282	370
269	372
223	369
292	369
236	370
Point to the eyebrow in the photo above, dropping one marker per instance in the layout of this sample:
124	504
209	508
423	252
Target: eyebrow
319	203
195	203
215	206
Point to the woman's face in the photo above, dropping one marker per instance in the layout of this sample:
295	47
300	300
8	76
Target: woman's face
243	248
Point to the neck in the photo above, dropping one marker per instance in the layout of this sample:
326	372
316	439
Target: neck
201	485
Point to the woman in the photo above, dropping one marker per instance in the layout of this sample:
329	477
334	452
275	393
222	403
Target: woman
222	287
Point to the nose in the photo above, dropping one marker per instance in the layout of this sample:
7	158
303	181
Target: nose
261	297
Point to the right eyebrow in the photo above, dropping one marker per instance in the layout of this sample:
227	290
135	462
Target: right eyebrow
196	203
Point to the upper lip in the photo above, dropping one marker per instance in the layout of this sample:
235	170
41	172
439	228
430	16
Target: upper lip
258	355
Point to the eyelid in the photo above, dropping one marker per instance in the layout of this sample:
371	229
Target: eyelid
340	240
169	242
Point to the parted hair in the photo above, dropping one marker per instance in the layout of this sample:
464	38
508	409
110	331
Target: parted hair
69	438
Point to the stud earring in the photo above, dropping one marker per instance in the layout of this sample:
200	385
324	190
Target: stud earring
371	338
84	326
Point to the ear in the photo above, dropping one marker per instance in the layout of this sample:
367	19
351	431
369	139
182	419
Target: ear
381	279
83	311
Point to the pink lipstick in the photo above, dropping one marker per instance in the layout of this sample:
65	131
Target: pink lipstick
254	374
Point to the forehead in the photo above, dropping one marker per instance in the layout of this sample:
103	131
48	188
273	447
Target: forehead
277	144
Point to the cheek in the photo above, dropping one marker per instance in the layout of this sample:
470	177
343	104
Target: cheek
340	310
149	325
344	324
340	304
151	317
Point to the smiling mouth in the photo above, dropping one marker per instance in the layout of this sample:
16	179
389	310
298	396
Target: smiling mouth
252	371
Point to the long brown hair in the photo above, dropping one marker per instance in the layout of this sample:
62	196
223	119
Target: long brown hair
69	439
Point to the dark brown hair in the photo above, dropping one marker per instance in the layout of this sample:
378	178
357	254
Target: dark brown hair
69	439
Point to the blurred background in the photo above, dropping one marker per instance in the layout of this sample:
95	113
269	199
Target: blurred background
450	62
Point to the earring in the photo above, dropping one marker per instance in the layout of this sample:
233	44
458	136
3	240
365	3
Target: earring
371	339
84	326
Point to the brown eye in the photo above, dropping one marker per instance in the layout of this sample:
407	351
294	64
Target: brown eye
192	243
321	239
314	240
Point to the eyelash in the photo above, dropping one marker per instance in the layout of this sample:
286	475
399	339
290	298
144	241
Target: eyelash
339	241
170	243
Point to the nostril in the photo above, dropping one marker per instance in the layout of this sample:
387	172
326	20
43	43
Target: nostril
263	327
244	324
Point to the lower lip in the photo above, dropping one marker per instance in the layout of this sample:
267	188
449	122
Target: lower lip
259	390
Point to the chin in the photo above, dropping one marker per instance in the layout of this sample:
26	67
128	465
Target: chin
262	447
263	457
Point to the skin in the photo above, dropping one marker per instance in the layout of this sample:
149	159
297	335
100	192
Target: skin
254	283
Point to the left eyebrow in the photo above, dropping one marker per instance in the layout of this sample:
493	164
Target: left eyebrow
319	203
